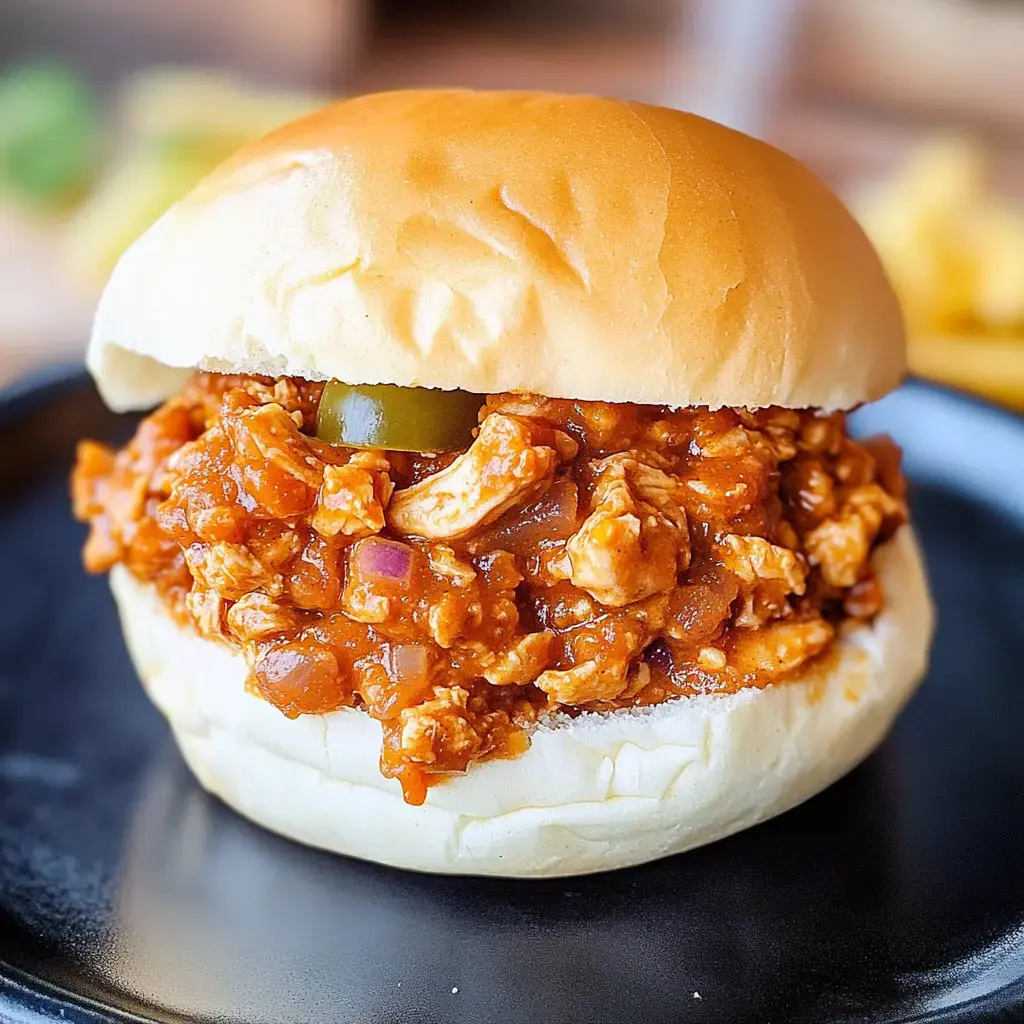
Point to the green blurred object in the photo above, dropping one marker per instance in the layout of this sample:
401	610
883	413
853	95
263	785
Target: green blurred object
397	419
50	132
132	193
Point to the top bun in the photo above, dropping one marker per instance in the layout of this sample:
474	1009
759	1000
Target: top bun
571	246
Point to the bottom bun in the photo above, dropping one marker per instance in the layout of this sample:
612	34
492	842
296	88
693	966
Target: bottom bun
600	791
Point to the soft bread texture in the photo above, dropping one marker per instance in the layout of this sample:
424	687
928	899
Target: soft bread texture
598	792
571	246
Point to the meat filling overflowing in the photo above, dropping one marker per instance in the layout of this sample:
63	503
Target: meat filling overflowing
577	556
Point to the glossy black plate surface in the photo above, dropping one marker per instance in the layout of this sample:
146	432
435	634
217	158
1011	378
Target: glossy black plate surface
127	894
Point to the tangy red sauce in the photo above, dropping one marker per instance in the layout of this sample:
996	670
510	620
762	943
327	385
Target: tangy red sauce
773	515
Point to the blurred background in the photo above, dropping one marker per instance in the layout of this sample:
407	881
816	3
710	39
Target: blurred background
912	109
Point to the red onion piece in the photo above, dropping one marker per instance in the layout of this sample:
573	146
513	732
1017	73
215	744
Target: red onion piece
380	559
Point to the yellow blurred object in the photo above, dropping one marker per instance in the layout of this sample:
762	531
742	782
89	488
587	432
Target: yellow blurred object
997	240
173	102
993	367
176	127
955	254
133	193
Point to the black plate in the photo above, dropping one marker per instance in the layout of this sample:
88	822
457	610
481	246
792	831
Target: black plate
126	893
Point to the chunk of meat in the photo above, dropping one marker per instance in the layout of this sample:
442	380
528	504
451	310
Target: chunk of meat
768	574
279	470
823	434
583	684
93	465
519	663
201	478
887	457
511	461
159	437
763	439
637	679
809	486
535	407
439	730
231	570
451	617
444	562
755	560
778	648
364	603
107	507
111	490
219	522
729	475
566	446
854	466
774	421
598	424
207	610
353	497
211	394
150	552
256	616
274	544
561	606
840	546
634	543
602	655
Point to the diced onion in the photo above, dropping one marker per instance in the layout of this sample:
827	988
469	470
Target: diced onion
522	530
380	559
408	664
300	679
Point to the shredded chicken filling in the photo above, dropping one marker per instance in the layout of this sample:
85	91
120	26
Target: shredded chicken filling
577	556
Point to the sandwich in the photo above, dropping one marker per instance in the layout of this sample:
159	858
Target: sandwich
498	514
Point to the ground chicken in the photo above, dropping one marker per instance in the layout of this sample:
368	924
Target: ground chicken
577	555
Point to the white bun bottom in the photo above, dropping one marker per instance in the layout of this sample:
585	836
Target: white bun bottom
598	792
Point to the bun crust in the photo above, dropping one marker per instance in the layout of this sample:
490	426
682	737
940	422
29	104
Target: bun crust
597	792
570	246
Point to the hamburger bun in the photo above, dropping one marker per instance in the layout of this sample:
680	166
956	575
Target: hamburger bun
570	246
592	793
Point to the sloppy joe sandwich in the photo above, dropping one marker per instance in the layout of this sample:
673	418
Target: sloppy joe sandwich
500	515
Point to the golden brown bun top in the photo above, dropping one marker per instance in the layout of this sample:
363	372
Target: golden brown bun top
566	245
